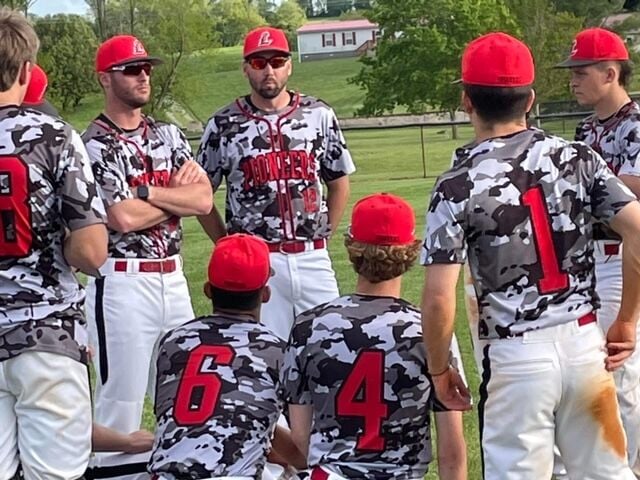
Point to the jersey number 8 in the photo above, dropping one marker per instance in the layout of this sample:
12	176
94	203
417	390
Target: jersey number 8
15	213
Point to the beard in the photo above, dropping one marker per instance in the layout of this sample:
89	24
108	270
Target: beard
130	98
267	92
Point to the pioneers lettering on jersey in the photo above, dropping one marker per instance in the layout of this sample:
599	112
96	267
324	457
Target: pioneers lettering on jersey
521	207
121	161
47	186
361	362
274	165
223	429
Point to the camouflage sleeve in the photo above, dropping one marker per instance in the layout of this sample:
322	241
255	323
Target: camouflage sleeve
294	385
210	153
609	194
629	142
81	203
336	161
109	171
181	150
444	240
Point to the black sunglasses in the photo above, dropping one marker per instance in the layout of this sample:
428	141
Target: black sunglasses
133	70
260	63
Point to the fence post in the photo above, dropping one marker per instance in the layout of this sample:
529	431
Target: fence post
424	160
538	121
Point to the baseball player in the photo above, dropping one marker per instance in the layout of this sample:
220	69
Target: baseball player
51	220
148	179
218	376
355	374
520	206
600	73
275	148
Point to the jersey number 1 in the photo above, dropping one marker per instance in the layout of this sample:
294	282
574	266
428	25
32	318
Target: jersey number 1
198	391
15	213
362	395
553	279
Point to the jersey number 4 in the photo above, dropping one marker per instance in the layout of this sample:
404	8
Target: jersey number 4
362	395
553	279
198	391
15	213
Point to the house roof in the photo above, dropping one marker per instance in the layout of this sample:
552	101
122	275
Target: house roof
337	26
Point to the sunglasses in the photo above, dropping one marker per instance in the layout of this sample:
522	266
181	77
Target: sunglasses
260	63
133	70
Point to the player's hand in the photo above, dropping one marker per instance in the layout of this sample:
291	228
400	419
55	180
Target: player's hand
621	342
451	391
187	174
140	441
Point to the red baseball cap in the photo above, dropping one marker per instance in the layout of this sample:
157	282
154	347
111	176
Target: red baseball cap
497	60
383	219
265	39
37	87
595	45
239	263
122	50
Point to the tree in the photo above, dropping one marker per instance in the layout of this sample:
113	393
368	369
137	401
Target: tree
233	19
593	11
549	35
266	9
631	5
173	29
418	54
289	17
68	47
22	5
116	16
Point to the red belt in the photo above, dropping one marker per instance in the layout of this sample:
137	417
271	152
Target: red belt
587	319
297	246
147	266
318	474
612	249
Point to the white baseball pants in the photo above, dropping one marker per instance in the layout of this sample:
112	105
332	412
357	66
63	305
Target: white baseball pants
128	313
549	387
301	281
627	377
45	417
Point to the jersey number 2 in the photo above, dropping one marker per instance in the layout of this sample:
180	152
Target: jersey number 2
198	391
15	213
553	279
361	395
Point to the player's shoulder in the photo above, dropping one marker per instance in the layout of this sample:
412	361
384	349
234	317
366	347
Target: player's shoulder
312	103
33	118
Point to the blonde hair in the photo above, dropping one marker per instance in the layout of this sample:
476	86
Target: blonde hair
18	44
378	263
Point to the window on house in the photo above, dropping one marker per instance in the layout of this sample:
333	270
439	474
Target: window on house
348	38
328	39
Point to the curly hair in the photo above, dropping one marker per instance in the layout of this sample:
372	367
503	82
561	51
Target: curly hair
378	263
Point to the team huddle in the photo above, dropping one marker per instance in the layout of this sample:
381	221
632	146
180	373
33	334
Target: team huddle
287	377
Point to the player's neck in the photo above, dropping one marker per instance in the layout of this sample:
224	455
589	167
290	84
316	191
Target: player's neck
271	104
13	96
387	288
124	117
255	313
610	104
485	130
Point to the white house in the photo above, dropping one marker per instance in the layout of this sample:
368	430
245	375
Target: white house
336	39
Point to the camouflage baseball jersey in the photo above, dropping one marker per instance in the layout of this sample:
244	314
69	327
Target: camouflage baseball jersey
521	207
217	398
46	186
121	160
274	164
617	140
360	361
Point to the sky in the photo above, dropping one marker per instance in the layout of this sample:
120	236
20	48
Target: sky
49	7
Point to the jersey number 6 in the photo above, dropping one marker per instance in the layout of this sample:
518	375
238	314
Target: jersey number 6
15	213
198	391
362	395
553	279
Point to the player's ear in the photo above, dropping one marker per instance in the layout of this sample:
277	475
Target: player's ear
24	74
611	74
532	99
266	293
207	290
